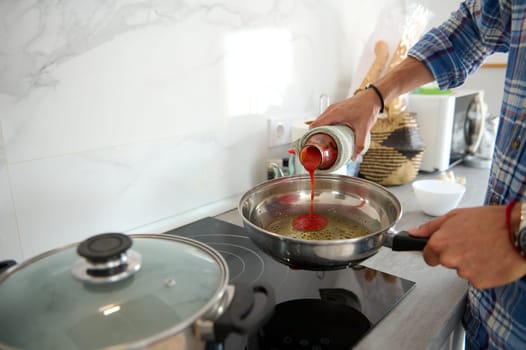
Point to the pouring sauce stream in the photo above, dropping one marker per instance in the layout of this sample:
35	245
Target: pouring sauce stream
311	158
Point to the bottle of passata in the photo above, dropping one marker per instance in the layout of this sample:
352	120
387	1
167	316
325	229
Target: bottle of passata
319	151
328	148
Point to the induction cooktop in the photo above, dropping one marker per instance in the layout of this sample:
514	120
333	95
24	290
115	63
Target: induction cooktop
317	310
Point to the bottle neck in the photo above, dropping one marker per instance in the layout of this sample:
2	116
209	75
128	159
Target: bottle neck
319	152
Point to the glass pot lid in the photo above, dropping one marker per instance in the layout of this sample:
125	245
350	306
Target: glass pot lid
60	300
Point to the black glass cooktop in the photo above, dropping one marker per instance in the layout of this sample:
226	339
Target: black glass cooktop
314	309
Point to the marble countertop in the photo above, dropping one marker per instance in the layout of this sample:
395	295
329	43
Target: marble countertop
428	316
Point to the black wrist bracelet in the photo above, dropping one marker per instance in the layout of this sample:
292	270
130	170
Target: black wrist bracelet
371	86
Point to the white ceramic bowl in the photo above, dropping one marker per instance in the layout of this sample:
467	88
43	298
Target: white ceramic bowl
437	197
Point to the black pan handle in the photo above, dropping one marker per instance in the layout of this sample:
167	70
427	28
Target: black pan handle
246	314
403	241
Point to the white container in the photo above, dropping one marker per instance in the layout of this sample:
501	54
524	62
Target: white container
437	197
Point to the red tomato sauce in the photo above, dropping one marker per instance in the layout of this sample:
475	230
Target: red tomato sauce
310	157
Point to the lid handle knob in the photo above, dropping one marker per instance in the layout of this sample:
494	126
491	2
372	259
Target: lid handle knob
104	247
106	258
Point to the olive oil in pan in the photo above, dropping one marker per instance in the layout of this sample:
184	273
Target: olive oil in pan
338	227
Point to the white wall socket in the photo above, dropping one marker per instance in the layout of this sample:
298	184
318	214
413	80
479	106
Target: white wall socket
280	129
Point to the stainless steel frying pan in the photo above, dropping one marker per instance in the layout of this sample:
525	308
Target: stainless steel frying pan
361	200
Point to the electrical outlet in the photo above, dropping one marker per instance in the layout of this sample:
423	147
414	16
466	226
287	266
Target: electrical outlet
280	129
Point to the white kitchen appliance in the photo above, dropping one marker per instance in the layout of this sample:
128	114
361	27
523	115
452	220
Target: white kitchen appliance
451	126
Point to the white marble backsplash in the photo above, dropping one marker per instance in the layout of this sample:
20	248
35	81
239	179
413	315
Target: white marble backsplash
138	116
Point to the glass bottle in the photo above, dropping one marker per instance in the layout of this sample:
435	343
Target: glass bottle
328	148
319	151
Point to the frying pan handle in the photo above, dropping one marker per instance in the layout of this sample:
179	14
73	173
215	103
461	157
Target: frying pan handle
403	241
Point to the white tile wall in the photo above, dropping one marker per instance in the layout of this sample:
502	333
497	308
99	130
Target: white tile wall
10	247
123	116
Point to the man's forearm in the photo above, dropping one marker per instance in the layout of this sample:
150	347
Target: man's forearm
406	76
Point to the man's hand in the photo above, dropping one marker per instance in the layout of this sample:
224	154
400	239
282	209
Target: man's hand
358	112
475	242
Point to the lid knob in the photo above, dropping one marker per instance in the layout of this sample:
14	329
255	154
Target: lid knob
104	247
106	258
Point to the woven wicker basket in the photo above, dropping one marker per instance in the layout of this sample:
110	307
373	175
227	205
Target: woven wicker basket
395	153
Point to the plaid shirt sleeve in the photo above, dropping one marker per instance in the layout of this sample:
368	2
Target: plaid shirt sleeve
460	45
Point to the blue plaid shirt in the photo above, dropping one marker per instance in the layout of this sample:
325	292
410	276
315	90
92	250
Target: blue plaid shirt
495	318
